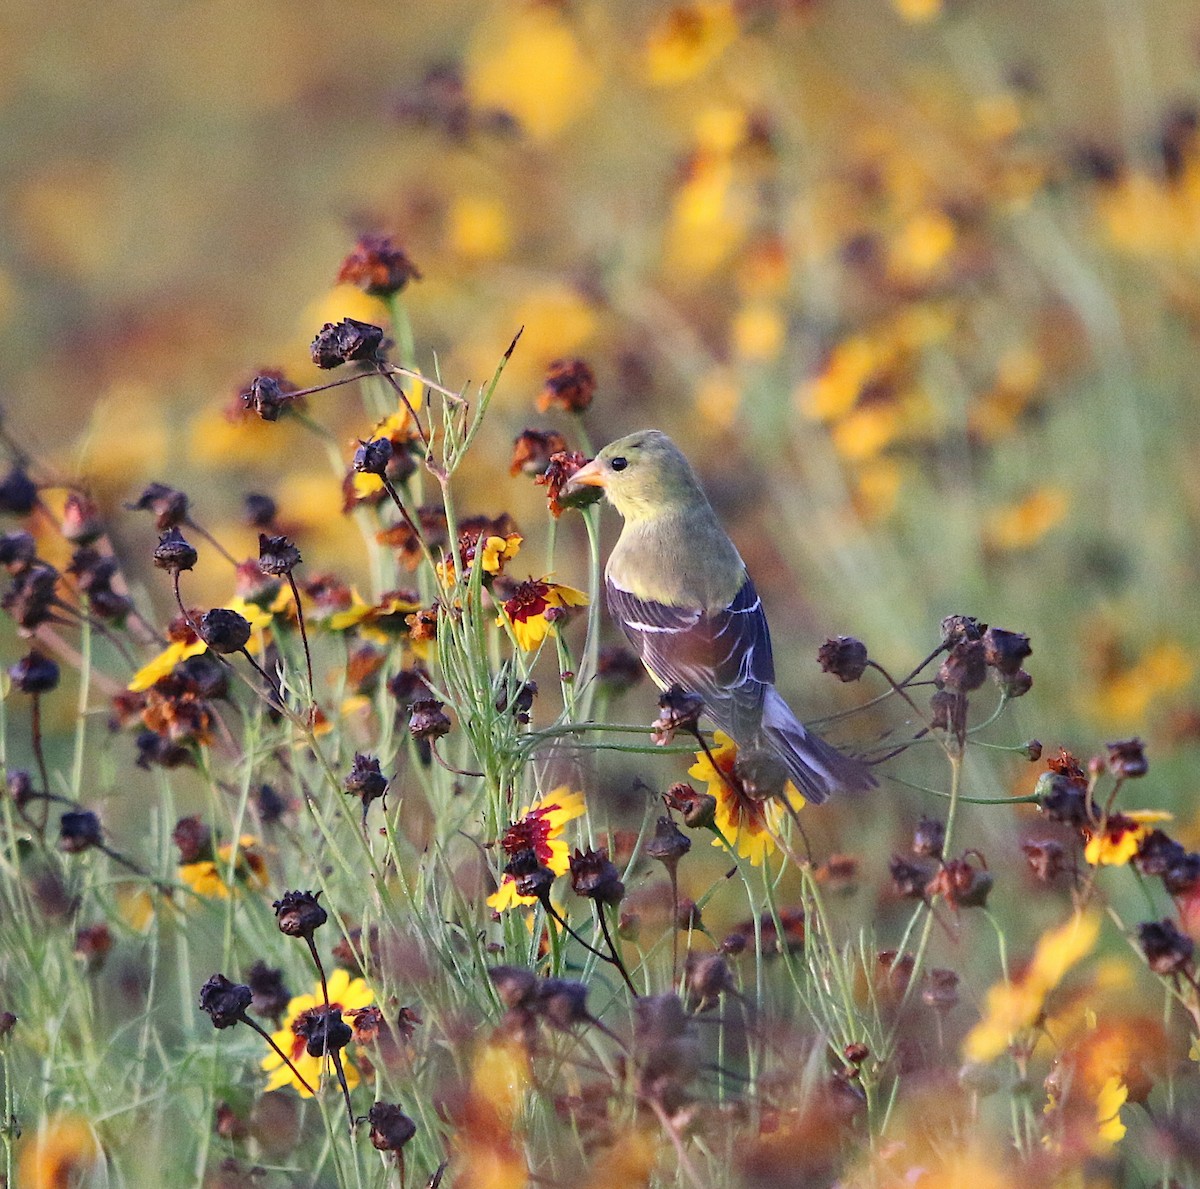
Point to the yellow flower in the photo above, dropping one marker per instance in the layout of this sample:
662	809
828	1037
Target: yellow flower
1118	842
345	994
540	830
478	227
1125	696
688	40
499	550
1025	523
533	67
1109	1128
747	825
918	12
922	247
63	1151
209	877
1012	1007
526	609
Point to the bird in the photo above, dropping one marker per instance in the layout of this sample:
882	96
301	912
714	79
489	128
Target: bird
680	591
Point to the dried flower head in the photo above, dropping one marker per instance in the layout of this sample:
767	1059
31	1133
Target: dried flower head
698	810
532	450
277	555
1167	950
844	657
79	830
344	342
174	553
1004	651
679	710
170	507
964	669
1127	758
224	630
269	395
378	267
34	673
391	1128
669	843
569	385
428	720
81	520
366	780
18	493
225	1002
558	473
299	914
595	877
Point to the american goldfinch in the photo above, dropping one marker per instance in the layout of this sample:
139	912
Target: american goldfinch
679	589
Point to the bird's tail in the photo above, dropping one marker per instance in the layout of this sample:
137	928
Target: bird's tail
816	768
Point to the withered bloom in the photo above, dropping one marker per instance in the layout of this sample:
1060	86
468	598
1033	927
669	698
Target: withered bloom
81	522
844	657
32	596
174	553
260	509
269	395
1004	651
562	466
929	837
964	669
170	507
1046	857
391	1128
193	839
569	385
18	550
514	985
225	1002
533	449
366	780
323	1030
224	630
595	877
277	555
298	914
34	673
428	719
1167	950
908	878
378	267
959	628
344	342
669	843
680	710
698	810
79	830
372	457
1127	758
271	995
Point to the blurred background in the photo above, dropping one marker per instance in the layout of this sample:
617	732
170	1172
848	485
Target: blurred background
916	283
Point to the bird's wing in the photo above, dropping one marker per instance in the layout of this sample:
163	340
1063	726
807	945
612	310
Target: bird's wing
725	656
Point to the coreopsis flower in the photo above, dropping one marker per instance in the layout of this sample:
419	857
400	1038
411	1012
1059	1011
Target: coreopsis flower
1121	837
63	1151
378	267
747	825
346	996
540	830
526	609
209	877
1013	1007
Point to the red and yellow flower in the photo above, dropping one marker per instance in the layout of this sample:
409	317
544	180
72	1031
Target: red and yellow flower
525	610
1118	841
346	995
747	826
539	829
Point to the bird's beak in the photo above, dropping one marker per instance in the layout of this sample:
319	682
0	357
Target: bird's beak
590	475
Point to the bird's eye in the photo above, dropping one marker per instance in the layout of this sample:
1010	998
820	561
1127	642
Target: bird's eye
619	464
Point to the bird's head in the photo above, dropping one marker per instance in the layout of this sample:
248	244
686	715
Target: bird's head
643	475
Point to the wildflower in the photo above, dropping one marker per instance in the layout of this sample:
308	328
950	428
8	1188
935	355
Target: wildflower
1004	651
1046	857
210	878
844	657
688	39
378	267
1023	524
669	844
929	837
277	555
530	609
260	509
1013	1007
307	1025
745	824
1109	1128
533	449
964	669
1121	837
539	829
343	342
32	596
64	1151
569	385
679	710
